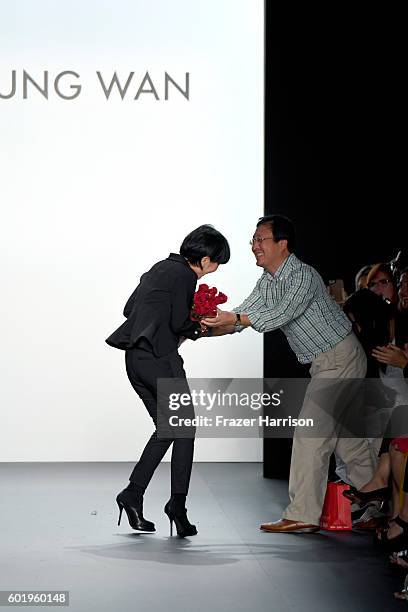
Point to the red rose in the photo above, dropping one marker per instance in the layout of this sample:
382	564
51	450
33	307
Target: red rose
205	302
221	298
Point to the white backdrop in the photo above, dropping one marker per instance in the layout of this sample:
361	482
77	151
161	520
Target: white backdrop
94	191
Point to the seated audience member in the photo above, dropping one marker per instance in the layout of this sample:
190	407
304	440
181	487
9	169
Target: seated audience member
360	281
381	281
396	537
383	336
399	263
371	317
403	292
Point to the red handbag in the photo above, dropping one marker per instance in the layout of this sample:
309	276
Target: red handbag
336	514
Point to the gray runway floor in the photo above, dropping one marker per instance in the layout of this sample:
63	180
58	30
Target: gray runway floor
52	539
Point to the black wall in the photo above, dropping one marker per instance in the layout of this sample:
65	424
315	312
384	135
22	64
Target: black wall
333	157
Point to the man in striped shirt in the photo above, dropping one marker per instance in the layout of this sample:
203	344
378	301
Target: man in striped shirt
291	296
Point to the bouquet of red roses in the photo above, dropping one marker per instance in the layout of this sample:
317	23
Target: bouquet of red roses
205	303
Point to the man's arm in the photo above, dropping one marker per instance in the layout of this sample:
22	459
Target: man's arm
298	295
228	319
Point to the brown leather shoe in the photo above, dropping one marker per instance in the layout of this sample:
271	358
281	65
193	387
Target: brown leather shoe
286	526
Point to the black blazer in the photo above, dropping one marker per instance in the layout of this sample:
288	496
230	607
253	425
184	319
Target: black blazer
159	308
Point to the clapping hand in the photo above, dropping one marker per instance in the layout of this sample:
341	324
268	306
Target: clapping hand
391	355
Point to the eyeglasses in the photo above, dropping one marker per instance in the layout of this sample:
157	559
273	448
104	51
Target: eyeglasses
259	239
382	281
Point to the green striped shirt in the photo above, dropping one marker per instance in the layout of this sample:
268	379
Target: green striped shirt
295	300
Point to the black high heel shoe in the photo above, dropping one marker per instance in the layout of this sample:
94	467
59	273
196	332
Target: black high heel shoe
132	504
179	517
363	498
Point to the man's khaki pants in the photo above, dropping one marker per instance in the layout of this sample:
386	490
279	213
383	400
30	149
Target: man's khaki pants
311	456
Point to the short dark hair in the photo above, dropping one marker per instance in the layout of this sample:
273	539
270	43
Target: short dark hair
205	241
282	229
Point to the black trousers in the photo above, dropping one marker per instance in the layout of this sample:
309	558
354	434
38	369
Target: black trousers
143	370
